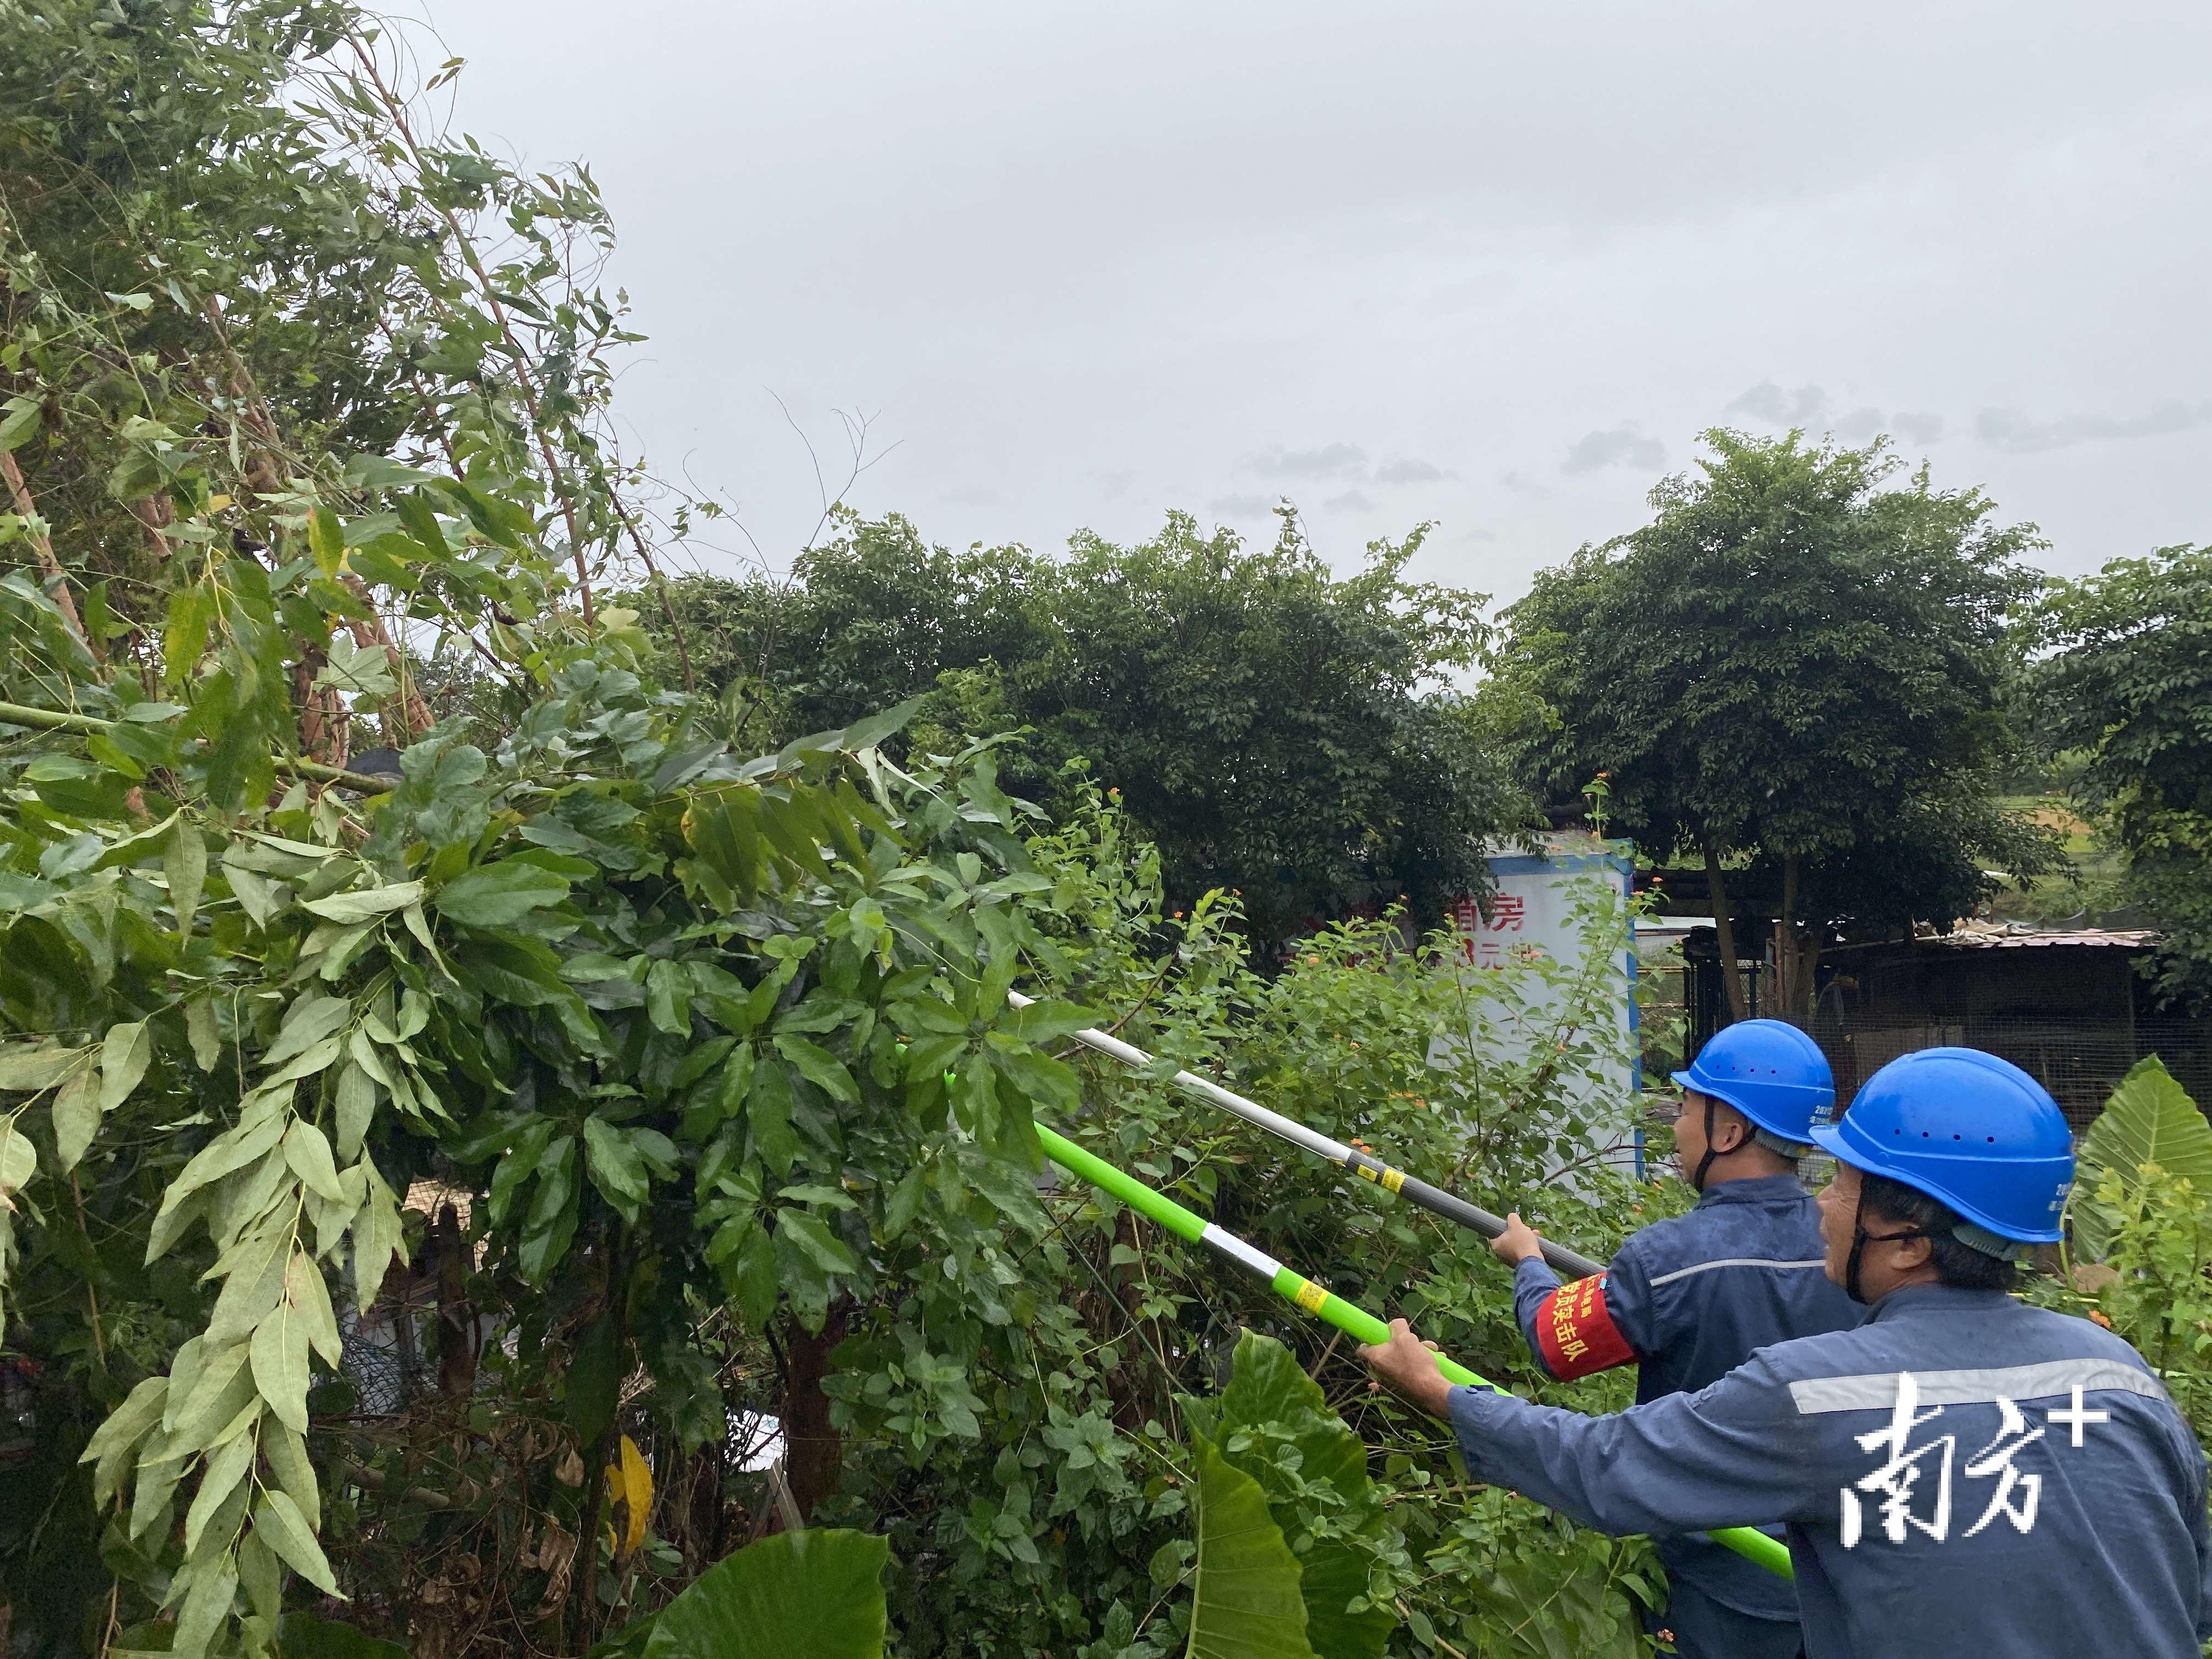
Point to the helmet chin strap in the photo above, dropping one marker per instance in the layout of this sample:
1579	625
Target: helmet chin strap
1697	1180
1860	1238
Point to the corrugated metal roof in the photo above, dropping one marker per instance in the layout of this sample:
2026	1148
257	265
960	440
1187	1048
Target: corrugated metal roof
1984	936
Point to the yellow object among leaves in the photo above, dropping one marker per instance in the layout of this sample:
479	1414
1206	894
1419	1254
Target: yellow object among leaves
631	1484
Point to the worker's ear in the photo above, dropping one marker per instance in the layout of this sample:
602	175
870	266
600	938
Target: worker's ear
1731	1130
1913	1252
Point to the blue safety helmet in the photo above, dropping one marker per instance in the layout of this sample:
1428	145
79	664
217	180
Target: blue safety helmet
1771	1073
1972	1132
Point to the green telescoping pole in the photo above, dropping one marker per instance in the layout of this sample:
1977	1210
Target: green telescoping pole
1571	1264
1355	1322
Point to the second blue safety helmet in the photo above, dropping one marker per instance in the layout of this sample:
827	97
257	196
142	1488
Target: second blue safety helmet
1772	1073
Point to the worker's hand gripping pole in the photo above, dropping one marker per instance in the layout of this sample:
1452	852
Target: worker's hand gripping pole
1569	1263
1355	1322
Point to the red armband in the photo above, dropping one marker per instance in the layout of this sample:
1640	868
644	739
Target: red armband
1576	1334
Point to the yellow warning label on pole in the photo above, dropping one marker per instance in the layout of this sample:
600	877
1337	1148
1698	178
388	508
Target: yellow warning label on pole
1393	1179
1366	1173
1311	1296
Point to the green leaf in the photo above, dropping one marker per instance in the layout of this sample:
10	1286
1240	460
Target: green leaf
201	1031
224	1471
2150	1119
614	1167
308	1152
819	1066
1245	1601
77	1118
768	1112
595	1374
288	1460
356	1107
307	1022
1269	1386
125	1053
279	1364
19	1161
499	894
365	904
185	863
815	1594
752	1275
812	1236
282	1527
207	1604
303	1635
18	423
27	1068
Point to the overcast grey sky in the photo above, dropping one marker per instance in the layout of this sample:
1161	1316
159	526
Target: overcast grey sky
1490	266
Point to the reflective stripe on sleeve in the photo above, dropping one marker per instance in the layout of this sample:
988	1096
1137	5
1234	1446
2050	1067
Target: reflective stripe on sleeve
1876	1391
1731	1262
1576	1334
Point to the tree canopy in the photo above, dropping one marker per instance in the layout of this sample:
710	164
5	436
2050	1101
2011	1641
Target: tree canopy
1800	662
2124	699
1278	730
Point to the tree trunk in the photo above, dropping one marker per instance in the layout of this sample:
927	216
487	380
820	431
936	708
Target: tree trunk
1724	933
813	1454
1795	956
456	1351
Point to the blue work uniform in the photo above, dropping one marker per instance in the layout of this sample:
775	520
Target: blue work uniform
1688	1300
1962	1474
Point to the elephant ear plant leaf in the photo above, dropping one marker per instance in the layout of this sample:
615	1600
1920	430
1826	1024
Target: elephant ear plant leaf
815	1594
2149	1122
1274	1423
1246	1601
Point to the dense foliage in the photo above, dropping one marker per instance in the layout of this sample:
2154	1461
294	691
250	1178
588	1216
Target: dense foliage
1799	665
416	1198
2125	698
1275	730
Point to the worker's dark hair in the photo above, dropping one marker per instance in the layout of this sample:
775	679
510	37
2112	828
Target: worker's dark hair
1959	1265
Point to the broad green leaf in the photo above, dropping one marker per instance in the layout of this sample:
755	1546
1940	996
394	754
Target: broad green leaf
308	1021
303	1635
355	1109
614	1167
185	862
207	1604
27	1068
1269	1386
815	1593
223	1472
375	1238
768	1112
819	1066
201	1031
19	1161
288	1460
308	1151
279	1364
365	904
77	1118
125	1053
499	894
810	1235
282	1526
2150	1119
1245	1601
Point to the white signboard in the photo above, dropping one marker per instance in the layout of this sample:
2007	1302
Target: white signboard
1535	908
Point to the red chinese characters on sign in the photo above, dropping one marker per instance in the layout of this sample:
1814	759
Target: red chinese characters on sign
1577	1334
1509	912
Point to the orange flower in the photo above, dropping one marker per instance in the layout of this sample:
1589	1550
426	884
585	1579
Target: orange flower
2098	1316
